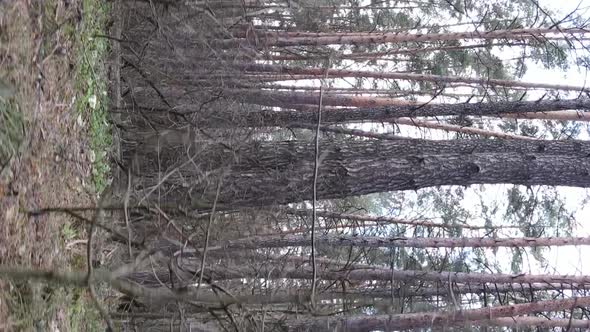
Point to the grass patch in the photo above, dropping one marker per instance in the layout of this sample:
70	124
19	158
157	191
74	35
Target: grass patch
81	314
92	86
11	128
33	303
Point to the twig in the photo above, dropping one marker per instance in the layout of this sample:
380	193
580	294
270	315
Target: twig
90	277
126	211
315	184
71	211
207	233
69	245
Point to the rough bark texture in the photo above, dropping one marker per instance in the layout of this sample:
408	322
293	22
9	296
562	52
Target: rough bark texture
280	241
525	322
556	115
394	37
386	220
384	274
286	118
459	129
443	290
428	319
339	73
281	172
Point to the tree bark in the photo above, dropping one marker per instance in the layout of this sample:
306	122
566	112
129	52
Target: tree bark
280	241
380	38
458	129
290	118
281	172
443	290
379	55
339	73
557	115
524	322
428	319
383	220
385	274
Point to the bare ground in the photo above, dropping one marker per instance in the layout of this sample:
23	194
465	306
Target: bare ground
53	166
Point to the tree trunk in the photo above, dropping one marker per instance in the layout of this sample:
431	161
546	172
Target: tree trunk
340	73
380	38
428	319
290	118
281	172
280	241
557	115
527	322
443	290
458	129
386	274
382	220
360	56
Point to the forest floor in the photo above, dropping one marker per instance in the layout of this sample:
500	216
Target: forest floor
54	140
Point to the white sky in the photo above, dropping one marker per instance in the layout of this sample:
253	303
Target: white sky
568	260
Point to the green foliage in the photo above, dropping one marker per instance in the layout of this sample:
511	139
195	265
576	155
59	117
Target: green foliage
538	212
551	55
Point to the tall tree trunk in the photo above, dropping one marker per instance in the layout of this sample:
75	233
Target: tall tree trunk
388	220
428	319
281	172
379	55
339	73
287	118
458	129
380	38
280	241
542	322
443	289
386	274
557	115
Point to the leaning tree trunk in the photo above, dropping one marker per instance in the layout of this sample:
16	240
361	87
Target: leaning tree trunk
267	173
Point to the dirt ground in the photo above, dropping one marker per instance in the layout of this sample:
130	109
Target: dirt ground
53	165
